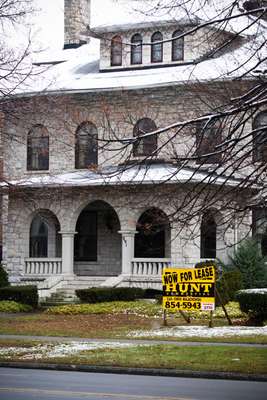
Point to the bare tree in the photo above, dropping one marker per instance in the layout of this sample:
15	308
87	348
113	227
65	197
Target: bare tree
222	145
228	156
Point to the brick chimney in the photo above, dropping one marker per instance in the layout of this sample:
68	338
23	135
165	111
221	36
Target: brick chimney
76	18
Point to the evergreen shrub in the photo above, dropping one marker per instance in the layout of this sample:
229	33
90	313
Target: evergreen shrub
252	265
228	281
20	294
254	303
98	295
3	277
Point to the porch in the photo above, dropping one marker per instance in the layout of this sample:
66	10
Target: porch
98	249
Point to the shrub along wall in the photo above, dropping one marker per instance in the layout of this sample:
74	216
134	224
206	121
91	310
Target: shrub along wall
20	294
254	303
98	295
3	277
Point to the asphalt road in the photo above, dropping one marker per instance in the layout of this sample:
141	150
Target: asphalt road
27	384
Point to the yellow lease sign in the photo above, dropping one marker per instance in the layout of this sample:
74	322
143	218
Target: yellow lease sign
189	289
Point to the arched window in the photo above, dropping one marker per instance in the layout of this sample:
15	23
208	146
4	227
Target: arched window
148	145
136	49
260	137
150	241
116	51
157	48
86	148
208	136
38	237
177	46
38	149
86	238
208	236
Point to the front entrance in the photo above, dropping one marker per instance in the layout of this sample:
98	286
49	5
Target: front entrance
97	243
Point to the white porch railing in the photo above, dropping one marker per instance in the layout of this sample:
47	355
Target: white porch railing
149	266
43	266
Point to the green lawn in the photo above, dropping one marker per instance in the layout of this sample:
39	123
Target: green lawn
115	320
200	358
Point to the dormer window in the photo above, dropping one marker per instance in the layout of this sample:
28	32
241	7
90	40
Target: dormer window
156	48
116	51
177	46
136	49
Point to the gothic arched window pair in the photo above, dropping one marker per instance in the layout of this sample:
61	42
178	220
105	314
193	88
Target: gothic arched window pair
208	236
38	148
259	127
145	146
86	146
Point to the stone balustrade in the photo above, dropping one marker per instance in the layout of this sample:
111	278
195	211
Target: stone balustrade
149	266
43	266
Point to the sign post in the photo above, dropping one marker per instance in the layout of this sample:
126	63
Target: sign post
189	289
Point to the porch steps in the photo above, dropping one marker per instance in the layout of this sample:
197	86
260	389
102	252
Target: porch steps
65	292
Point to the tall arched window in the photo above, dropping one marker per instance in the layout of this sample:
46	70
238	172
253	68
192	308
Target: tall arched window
38	149
150	241
136	49
148	145
260	137
208	137
208	236
116	51
157	48
177	46
86	148
38	237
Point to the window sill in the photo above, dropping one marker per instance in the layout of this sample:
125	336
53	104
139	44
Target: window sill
38	172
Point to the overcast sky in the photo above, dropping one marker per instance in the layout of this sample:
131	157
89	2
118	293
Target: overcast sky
47	23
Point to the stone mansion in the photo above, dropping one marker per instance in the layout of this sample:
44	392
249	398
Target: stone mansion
90	196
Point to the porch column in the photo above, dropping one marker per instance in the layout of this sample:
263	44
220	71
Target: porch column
127	250
67	252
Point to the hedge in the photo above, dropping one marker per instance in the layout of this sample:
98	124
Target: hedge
98	295
8	306
3	277
254	303
20	294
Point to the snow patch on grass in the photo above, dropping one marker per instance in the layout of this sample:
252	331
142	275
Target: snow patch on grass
201	331
55	350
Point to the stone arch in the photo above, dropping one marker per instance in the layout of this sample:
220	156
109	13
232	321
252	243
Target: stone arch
153	237
97	242
81	205
43	239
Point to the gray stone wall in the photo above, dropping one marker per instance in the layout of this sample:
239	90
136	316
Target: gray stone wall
114	114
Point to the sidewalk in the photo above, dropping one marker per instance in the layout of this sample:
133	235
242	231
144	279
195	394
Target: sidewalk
132	341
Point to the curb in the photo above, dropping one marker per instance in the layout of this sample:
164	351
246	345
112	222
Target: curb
137	371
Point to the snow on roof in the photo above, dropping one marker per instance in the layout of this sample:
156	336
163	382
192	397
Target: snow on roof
144	24
77	70
81	72
124	175
125	14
